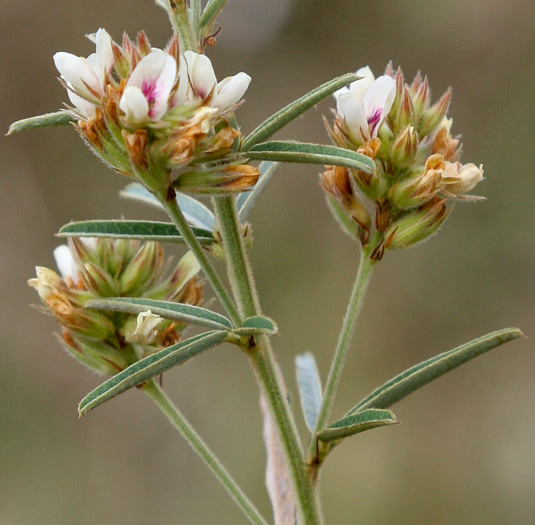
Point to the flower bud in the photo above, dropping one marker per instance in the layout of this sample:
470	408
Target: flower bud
100	356
405	115
420	97
98	281
405	147
143	268
417	226
434	115
345	203
233	178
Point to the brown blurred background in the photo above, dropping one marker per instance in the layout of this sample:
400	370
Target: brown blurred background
465	451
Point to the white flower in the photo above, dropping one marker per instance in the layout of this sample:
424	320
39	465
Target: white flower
67	265
198	83
147	92
145	332
365	103
86	77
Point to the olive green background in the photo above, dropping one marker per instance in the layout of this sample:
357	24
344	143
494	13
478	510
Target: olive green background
465	451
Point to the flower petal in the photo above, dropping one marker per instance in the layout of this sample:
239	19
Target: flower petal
77	72
104	53
134	105
66	263
229	91
155	75
85	108
378	101
351	109
360	86
183	92
201	74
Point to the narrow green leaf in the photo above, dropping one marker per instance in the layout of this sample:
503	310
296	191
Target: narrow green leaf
257	325
142	230
283	151
148	367
419	375
48	120
284	116
184	313
245	200
196	213
309	383
351	425
212	9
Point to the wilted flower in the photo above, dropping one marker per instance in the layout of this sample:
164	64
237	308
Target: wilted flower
90	269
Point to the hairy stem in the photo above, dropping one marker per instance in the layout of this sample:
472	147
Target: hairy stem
344	340
179	17
176	418
185	230
264	363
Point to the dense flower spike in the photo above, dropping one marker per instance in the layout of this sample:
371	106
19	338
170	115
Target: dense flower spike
416	159
139	107
108	342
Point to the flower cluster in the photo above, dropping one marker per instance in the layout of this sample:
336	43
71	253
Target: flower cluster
108	342
142	108
416	160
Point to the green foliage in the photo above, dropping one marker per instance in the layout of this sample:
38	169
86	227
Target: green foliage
351	425
284	116
257	325
48	120
181	312
419	375
149	367
142	230
304	153
309	384
246	200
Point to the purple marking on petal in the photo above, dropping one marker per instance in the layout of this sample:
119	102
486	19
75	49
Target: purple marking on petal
152	91
374	119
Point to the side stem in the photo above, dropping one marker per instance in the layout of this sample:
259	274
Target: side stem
263	361
362	281
176	418
185	230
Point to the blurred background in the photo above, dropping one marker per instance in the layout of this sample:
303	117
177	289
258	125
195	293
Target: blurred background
465	451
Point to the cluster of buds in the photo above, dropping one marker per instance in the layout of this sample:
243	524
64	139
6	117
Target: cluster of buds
145	109
108	342
416	159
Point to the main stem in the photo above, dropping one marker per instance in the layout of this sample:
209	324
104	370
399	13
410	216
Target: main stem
176	418
263	362
353	309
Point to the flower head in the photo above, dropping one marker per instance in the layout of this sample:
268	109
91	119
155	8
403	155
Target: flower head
416	159
108	341
138	106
